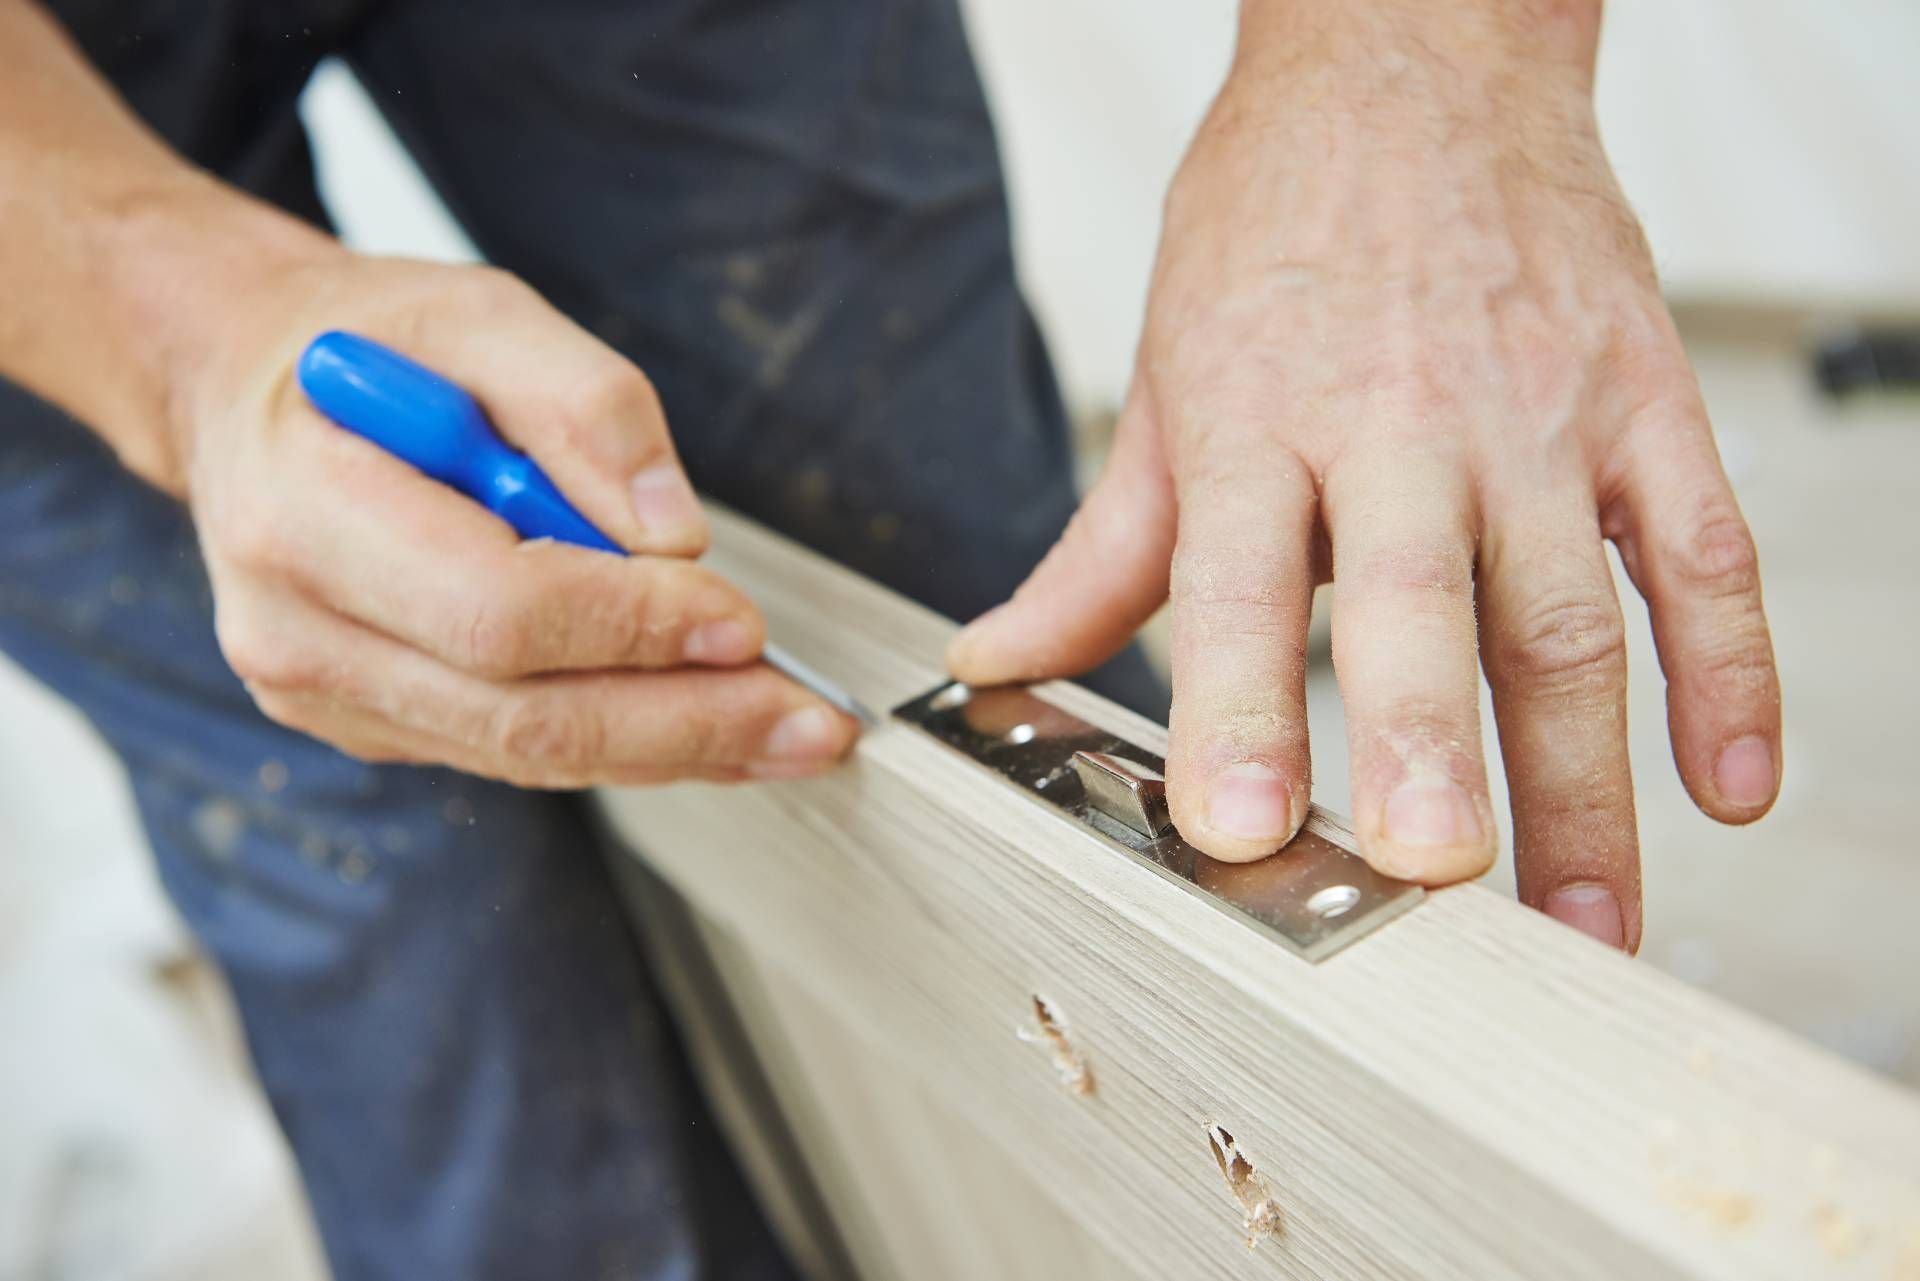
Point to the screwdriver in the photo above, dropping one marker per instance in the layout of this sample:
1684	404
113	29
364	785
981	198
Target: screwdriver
431	423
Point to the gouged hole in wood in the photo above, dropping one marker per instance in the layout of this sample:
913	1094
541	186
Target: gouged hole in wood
1262	1215
1050	1030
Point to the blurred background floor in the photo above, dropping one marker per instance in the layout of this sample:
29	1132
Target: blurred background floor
136	1144
137	1148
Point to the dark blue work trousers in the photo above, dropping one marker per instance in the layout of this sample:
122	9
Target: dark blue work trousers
789	213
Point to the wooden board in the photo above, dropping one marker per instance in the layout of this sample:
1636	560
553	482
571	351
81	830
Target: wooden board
1472	1091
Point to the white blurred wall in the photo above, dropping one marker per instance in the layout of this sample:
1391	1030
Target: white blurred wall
1772	147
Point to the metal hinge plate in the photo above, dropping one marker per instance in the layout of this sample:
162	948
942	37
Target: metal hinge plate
1316	895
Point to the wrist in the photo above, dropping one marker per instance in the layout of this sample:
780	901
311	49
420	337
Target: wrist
1398	57
118	259
1394	161
183	259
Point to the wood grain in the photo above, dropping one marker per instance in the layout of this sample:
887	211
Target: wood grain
1472	1091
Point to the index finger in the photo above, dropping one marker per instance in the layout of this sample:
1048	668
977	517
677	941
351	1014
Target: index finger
377	541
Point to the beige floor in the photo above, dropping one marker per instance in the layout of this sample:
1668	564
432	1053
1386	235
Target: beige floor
137	1149
134	1144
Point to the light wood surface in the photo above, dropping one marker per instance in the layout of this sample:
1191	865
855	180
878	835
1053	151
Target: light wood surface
1470	1092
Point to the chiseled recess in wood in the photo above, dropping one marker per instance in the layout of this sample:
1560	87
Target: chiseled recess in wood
1248	1188
1470	1092
1048	1028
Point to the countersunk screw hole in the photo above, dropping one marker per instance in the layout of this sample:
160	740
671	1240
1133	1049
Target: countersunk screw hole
1335	900
954	695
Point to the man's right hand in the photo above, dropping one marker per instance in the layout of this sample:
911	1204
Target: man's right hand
360	601
392	617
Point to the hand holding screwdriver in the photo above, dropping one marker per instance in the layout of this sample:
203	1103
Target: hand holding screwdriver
378	609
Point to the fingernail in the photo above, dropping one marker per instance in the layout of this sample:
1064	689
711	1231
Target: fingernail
1743	775
665	504
1430	809
1591	909
1251	802
810	734
723	642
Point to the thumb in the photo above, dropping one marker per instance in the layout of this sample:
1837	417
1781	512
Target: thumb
1102	580
580	409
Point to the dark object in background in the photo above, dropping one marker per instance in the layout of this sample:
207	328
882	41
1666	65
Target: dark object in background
1870	360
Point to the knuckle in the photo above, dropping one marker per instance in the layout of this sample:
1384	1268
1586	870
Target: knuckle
317	719
548	738
250	660
699	739
632	624
1737	664
255	539
1210	461
491	639
531	775
1420	577
1568	637
1435	725
1249	595
1714	553
373	753
497	285
1649	365
281	709
613	393
263	663
1417	567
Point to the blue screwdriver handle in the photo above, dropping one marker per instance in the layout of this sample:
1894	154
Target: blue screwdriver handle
423	419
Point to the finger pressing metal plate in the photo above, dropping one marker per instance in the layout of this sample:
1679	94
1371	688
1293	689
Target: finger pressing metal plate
1316	895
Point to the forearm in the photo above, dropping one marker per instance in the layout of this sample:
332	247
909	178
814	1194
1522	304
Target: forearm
1374	120
1430	72
1463	39
115	252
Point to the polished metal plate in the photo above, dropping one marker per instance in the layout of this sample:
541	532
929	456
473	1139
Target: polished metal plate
1316	895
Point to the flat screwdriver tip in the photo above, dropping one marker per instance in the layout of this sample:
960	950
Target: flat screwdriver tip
798	672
